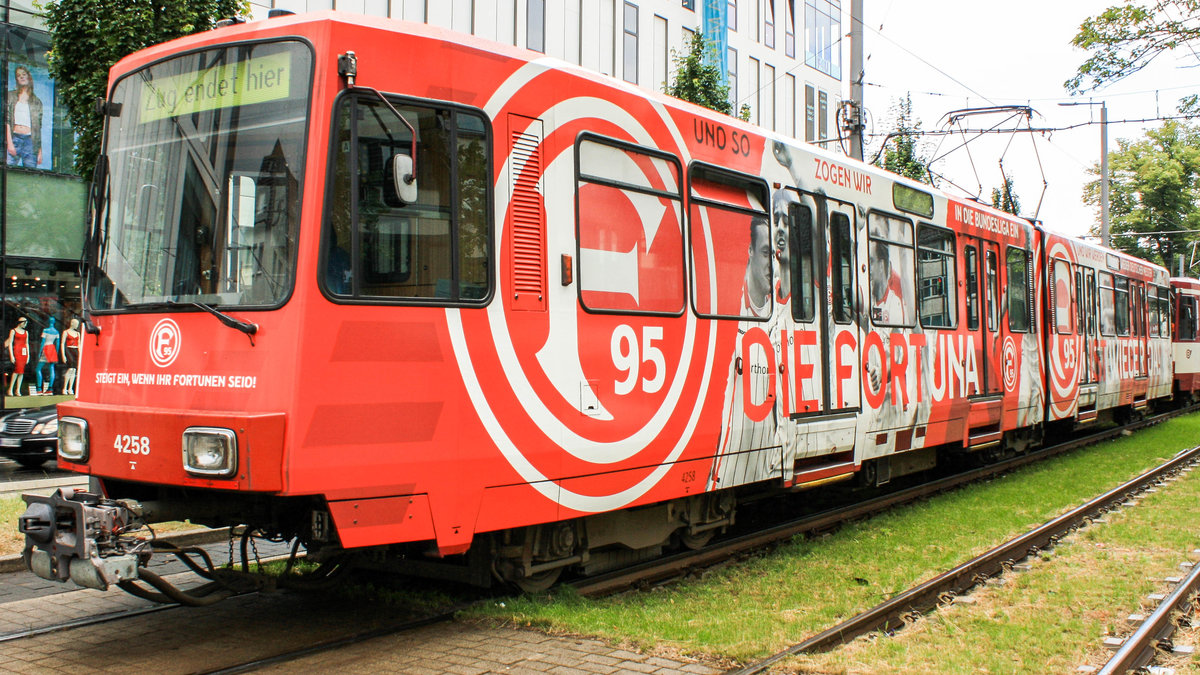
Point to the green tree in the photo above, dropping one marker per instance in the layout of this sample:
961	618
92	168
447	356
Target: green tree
1154	188
901	152
1005	199
1124	39
697	77
88	36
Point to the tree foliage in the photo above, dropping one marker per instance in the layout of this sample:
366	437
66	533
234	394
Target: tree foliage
1154	188
1005	199
698	79
88	36
901	153
1124	39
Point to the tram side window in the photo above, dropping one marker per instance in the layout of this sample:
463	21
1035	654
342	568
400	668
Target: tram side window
1017	288
993	290
1164	316
1108	324
731	249
842	252
935	277
1187	318
891	270
436	248
1090	307
1121	305
630	228
1155	311
800	224
971	262
1061	290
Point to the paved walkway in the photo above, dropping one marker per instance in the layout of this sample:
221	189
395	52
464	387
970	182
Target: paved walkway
186	640
468	649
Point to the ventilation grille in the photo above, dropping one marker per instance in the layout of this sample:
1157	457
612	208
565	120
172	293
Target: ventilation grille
527	233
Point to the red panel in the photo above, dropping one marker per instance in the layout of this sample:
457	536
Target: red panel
363	522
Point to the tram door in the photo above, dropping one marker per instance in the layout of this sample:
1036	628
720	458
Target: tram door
1138	328
1089	357
981	272
824	258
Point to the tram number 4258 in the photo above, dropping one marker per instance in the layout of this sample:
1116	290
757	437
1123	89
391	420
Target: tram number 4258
132	445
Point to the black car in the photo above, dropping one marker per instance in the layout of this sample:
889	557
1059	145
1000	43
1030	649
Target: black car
30	436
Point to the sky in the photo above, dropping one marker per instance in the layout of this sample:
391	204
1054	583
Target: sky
951	55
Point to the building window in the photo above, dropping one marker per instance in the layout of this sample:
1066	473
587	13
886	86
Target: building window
789	104
810	113
756	95
731	15
823	116
535	26
769	25
689	5
789	30
662	55
823	24
768	116
733	79
630	72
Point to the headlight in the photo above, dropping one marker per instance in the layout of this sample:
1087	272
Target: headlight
210	451
72	439
46	427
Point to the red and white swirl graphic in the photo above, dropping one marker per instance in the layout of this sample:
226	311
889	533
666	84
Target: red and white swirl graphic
571	392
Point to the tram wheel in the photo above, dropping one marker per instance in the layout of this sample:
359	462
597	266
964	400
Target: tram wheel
539	582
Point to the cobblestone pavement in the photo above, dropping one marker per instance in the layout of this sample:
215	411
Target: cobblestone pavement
187	640
467	649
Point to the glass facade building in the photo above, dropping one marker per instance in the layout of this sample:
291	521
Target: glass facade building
42	218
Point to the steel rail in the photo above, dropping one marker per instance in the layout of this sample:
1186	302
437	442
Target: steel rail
1138	649
929	594
338	643
82	622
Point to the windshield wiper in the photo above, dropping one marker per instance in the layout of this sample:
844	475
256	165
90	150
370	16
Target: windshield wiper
244	326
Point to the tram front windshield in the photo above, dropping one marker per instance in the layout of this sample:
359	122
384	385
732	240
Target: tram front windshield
205	156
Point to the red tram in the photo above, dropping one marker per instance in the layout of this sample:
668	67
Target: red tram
379	286
1186	339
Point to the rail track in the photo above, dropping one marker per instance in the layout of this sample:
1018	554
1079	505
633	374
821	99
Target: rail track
930	594
1138	650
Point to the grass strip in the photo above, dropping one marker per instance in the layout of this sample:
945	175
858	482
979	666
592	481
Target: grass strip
1054	617
756	608
11	541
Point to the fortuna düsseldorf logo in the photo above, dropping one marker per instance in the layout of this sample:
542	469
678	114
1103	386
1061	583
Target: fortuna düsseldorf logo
165	341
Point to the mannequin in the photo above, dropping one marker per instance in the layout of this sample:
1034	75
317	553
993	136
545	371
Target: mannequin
70	353
17	345
47	355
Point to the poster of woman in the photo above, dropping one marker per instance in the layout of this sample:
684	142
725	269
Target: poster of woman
28	116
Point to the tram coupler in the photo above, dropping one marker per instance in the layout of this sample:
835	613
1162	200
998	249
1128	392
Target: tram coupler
83	537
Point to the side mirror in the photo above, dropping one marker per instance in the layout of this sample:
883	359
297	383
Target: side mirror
404	179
